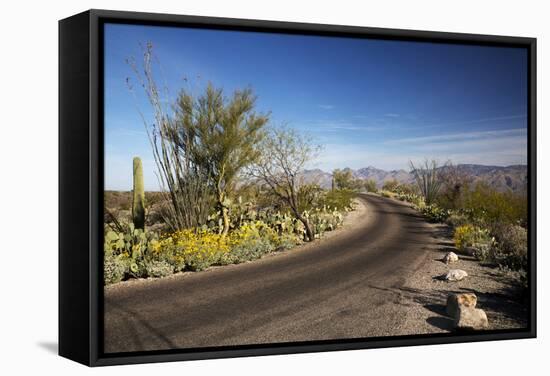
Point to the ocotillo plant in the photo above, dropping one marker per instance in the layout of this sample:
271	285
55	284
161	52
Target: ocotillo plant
427	179
138	202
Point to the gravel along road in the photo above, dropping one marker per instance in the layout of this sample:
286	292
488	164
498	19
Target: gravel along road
344	286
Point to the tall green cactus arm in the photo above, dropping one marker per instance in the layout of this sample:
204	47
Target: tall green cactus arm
138	202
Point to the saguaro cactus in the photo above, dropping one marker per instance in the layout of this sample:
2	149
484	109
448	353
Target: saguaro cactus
138	202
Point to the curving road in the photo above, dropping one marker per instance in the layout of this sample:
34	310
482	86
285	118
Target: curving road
340	287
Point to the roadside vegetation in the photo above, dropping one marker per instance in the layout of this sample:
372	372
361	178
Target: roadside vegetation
488	224
231	187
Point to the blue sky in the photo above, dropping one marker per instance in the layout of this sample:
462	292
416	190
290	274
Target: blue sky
366	102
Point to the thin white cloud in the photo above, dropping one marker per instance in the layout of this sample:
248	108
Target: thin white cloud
355	128
393	115
500	148
458	136
326	106
358	156
340	125
476	121
505	143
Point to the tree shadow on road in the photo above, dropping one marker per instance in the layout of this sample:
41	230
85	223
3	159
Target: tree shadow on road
138	329
433	301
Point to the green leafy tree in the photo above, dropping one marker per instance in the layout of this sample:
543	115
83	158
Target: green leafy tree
309	196
220	135
370	186
344	179
455	184
489	207
284	154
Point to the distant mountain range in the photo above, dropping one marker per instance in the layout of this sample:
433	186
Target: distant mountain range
512	178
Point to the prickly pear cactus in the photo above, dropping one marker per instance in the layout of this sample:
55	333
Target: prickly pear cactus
138	203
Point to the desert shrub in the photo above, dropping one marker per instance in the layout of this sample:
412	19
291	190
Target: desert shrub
402	192
387	194
463	235
156	214
133	241
197	250
251	235
250	244
410	197
390	185
158	269
474	238
309	196
281	222
510	249
250	250
485	205
324	220
507	247
434	213
415	199
132	248
287	241
114	268
325	215
194	250
338	199
457	219
406	189
246	213
370	186
344	179
455	181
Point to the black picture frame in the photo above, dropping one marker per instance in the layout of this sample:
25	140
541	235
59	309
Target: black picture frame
81	185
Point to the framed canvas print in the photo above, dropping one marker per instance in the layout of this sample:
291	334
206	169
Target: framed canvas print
238	187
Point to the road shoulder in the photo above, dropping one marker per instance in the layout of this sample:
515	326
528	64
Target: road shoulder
425	294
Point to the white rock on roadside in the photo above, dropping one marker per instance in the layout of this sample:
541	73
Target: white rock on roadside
455	275
457	301
471	318
450	258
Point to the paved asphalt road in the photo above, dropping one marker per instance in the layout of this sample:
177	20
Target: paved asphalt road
341	287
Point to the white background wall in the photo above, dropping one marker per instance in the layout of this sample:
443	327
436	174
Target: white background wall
28	187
